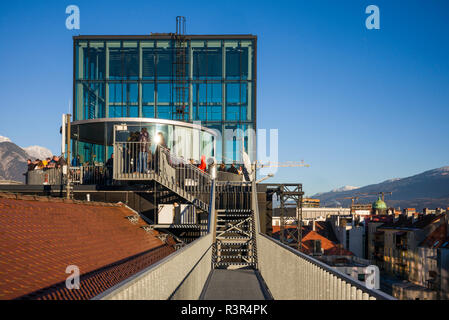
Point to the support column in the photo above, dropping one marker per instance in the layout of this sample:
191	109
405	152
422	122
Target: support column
190	82
140	80
223	100
106	89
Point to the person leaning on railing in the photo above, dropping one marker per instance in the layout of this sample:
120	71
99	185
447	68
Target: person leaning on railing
233	169
30	165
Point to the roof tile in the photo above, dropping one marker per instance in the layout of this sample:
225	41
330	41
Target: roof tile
39	239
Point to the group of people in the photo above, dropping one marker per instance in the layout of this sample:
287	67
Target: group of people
232	169
50	162
139	156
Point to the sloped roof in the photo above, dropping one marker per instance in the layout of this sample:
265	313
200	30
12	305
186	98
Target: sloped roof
41	237
437	239
329	247
405	223
323	232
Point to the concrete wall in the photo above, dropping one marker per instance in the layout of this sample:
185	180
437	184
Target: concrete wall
181	275
356	237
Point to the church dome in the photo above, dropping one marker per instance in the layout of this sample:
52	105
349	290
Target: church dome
379	204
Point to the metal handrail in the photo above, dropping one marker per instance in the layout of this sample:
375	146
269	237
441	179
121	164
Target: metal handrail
359	285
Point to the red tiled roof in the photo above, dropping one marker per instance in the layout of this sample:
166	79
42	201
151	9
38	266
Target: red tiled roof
438	238
329	247
39	239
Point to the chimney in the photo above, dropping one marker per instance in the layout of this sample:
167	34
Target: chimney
313	225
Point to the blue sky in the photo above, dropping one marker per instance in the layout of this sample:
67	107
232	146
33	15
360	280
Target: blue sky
360	106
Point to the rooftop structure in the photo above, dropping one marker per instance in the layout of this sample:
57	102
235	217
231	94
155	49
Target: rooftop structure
210	79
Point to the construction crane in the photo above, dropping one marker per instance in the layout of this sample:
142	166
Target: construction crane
285	164
382	194
354	198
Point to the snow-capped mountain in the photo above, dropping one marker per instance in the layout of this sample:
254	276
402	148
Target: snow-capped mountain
13	159
4	139
13	162
429	189
38	152
344	188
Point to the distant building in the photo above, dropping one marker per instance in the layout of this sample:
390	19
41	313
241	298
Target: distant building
361	208
310	203
318	239
375	239
307	214
350	232
402	236
432	261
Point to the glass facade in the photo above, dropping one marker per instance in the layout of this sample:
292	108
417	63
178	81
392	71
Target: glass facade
141	77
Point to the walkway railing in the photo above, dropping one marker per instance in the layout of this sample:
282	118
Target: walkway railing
79	175
50	176
91	175
181	275
290	274
133	162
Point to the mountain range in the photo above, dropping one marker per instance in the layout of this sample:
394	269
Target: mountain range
13	159
429	189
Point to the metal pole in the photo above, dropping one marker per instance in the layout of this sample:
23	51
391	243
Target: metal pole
300	221
63	135
68	156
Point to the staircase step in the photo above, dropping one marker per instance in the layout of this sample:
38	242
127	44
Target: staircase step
233	238
233	257
243	264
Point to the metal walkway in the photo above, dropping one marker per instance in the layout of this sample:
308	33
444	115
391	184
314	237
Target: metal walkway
238	284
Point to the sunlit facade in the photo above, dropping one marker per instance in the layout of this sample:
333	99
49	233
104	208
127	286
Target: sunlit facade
139	77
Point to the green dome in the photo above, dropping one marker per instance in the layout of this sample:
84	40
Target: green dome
379	205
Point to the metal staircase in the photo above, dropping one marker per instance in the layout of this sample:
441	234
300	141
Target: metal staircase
172	172
235	245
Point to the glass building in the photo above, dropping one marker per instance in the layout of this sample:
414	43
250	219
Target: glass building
206	80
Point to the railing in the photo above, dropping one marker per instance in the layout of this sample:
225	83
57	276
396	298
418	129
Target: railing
91	175
46	176
181	275
133	162
228	176
290	274
79	175
233	195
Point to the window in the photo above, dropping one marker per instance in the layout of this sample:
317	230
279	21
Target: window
148	100
164	60
123	100
163	93
93	100
148	60
94	61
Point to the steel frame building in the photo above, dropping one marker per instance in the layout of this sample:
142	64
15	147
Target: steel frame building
192	78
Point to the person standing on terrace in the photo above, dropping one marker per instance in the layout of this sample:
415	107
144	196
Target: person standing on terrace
144	139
